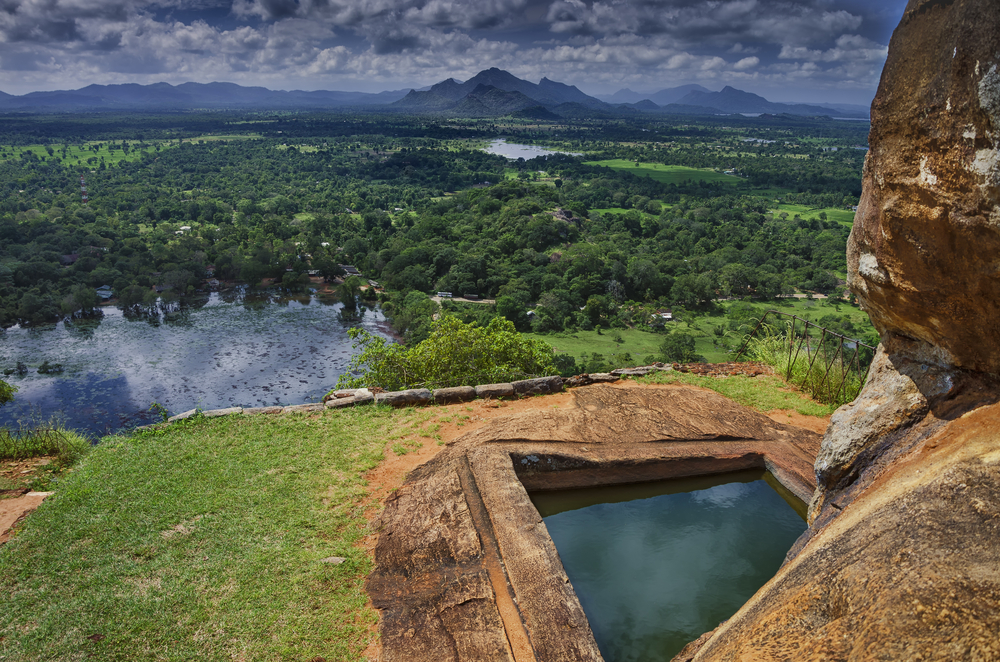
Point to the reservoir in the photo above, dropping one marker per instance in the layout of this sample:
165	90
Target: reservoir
656	565
515	151
221	350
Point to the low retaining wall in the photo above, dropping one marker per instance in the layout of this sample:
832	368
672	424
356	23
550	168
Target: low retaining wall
422	396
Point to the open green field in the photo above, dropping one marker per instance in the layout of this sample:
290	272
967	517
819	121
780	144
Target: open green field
668	174
87	154
203	540
637	343
700	324
842	216
111	152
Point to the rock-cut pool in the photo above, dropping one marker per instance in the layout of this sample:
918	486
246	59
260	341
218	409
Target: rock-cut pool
656	565
223	350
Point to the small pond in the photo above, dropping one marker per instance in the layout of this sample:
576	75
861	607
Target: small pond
220	350
515	151
656	565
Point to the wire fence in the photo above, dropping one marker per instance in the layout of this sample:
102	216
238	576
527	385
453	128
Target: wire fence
831	366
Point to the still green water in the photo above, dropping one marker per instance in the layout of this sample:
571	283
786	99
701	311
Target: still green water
656	565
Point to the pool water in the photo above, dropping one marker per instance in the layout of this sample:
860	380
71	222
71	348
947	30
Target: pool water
656	565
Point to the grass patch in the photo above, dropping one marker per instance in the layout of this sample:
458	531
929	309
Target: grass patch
637	343
67	446
843	216
203	540
761	393
668	174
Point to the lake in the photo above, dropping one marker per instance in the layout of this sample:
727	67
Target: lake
221	350
515	151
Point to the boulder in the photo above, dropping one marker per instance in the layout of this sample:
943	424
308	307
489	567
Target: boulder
454	394
922	254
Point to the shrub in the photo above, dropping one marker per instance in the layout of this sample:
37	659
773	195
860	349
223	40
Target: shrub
454	354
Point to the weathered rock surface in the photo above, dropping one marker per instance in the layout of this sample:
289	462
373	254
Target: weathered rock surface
465	568
922	256
901	560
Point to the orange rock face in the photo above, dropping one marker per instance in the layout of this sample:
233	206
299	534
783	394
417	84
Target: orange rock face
924	255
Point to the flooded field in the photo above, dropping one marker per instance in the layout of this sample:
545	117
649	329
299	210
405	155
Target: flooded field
224	350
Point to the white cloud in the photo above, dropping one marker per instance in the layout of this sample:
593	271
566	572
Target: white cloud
351	43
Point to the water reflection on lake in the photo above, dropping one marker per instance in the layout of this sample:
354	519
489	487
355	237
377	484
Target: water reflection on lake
515	151
223	350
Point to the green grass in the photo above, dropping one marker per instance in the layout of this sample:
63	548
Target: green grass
637	343
79	155
668	174
66	445
760	393
201	541
842	216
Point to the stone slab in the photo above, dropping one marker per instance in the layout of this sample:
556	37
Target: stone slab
494	391
180	417
308	407
253	411
214	413
538	385
407	398
454	394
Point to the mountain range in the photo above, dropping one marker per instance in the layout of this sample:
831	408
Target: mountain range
490	93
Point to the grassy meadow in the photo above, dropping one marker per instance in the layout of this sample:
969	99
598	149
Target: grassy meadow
203	540
843	216
667	174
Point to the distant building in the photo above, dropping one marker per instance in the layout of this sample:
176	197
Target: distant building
104	292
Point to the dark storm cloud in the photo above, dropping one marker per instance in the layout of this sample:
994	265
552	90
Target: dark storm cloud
833	45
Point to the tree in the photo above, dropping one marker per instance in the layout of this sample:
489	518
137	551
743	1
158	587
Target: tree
455	354
678	347
6	392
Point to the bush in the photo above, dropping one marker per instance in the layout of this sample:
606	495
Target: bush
6	392
455	354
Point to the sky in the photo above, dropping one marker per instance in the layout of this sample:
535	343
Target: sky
786	50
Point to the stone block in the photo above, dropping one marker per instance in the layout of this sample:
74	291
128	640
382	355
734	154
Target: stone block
308	407
215	413
180	417
340	403
251	411
538	385
454	394
413	396
494	391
